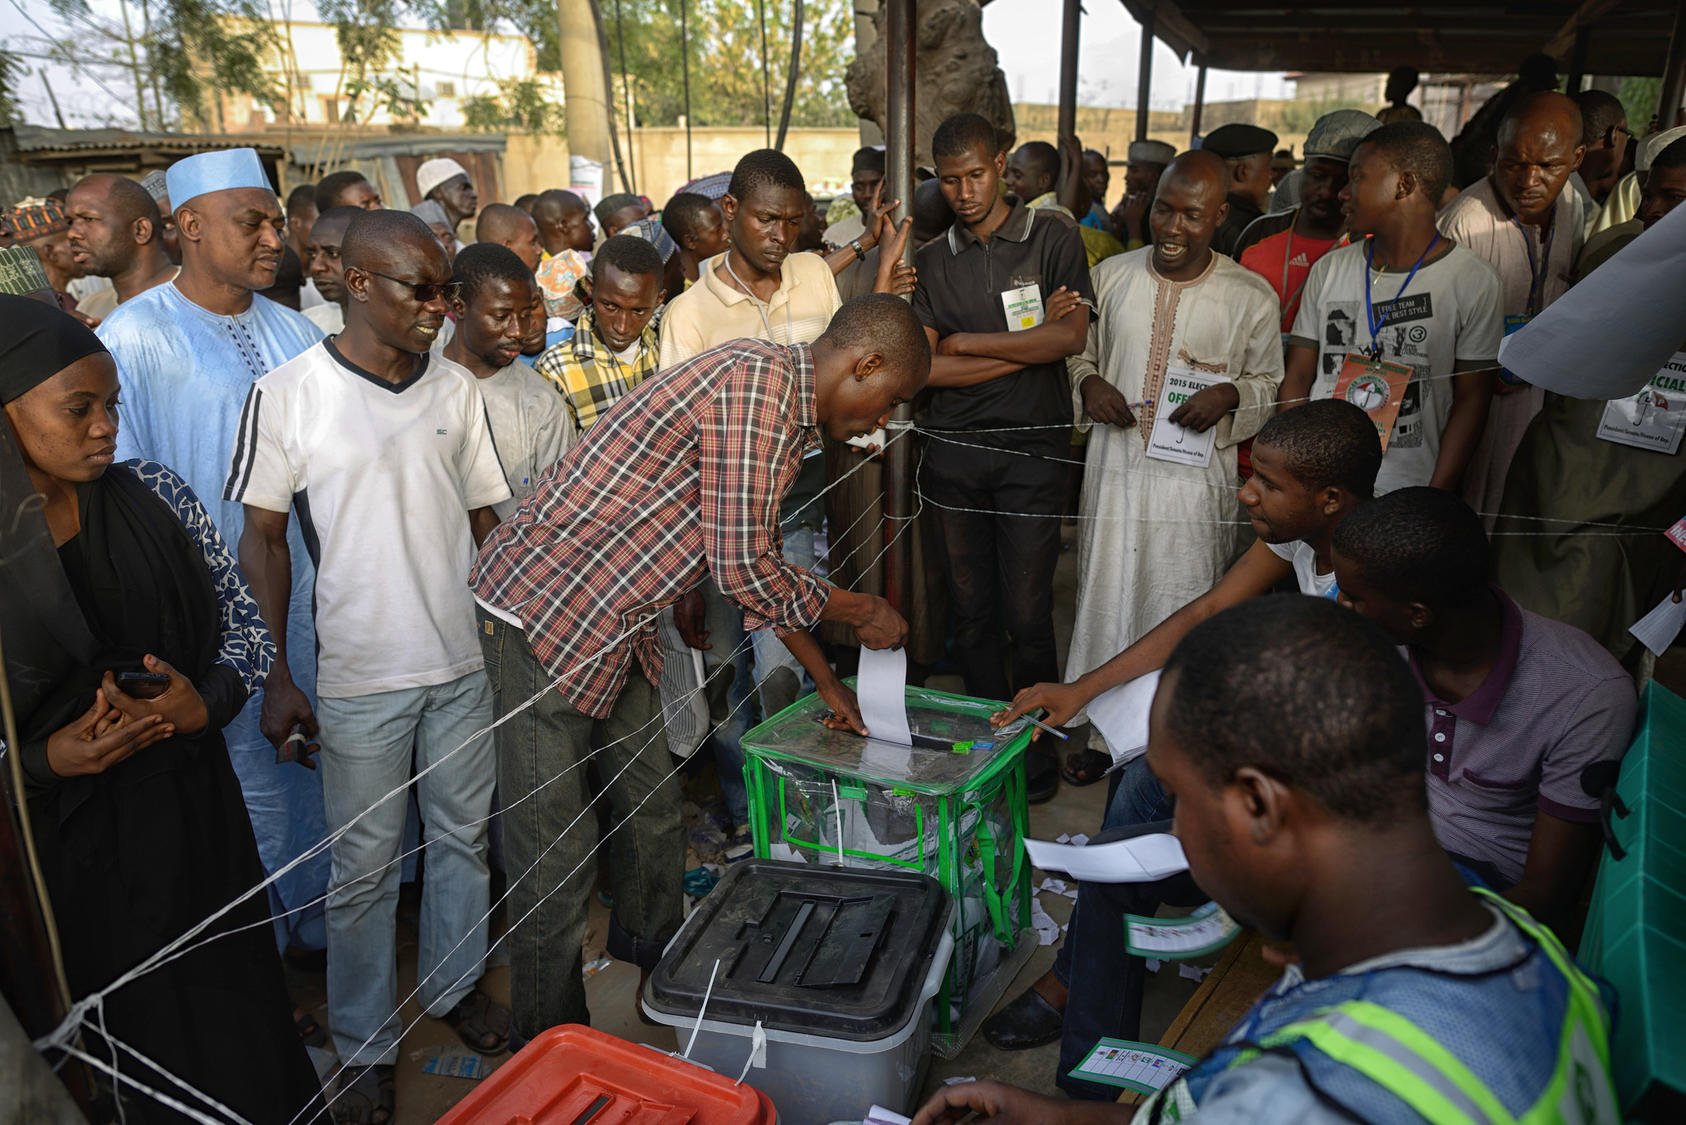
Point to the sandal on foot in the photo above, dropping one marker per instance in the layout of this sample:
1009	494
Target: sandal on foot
368	1095
1085	767
481	1023
310	1032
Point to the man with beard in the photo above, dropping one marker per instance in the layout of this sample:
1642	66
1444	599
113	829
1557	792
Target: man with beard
116	232
393	451
1281	247
446	182
188	351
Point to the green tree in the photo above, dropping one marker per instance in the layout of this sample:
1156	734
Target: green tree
11	69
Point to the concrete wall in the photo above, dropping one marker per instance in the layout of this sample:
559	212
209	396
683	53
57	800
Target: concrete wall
658	158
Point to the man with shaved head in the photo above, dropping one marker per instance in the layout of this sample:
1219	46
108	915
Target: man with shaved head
1190	338
511	228
187	352
1521	220
395	454
116	232
564	221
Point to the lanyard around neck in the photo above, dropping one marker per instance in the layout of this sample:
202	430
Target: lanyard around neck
1537	270
760	306
1377	323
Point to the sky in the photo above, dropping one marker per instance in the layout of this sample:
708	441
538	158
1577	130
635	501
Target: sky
1025	34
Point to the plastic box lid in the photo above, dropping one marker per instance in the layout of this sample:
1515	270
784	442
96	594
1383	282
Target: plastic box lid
839	953
954	748
571	1075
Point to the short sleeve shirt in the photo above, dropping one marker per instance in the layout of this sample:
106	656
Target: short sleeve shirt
1450	311
1303	557
1554	703
961	286
382	477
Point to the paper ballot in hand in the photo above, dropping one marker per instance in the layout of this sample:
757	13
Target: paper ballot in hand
1140	859
881	688
1120	714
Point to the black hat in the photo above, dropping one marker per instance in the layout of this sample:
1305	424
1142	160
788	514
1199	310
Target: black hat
1232	142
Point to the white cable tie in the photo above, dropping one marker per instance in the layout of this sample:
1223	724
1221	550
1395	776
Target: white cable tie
701	1011
757	1052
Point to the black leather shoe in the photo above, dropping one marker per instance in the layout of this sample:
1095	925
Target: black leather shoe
1029	1021
1041	777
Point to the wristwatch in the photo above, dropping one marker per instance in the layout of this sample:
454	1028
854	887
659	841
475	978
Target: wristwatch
855	245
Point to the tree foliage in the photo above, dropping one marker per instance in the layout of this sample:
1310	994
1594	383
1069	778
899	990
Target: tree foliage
11	69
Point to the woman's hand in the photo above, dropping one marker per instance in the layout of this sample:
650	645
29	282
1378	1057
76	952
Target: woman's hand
179	705
100	738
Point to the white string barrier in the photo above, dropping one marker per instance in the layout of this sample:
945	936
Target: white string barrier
119	1080
561	883
743	646
76	1018
1574	526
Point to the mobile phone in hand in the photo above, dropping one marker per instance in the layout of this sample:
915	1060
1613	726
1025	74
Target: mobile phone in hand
143	685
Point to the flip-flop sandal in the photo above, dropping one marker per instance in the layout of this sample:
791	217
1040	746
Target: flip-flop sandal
1085	767
310	1032
481	1023
368	1095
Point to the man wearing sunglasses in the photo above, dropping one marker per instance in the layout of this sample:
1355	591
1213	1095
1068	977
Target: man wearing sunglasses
385	456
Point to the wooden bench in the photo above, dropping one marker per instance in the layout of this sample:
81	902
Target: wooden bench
1238	979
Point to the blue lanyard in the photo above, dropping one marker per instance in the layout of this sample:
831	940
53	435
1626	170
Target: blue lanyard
1536	271
1376	324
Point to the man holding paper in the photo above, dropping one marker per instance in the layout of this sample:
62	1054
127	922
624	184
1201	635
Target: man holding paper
1292	734
1180	367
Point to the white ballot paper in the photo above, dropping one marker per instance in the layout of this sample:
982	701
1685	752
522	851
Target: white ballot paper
1141	859
881	688
1120	714
1657	629
1638	297
1179	444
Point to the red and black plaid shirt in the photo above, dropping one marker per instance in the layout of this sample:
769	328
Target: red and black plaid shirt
684	476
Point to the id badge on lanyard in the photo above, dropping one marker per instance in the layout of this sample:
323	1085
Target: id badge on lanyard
1513	323
1375	386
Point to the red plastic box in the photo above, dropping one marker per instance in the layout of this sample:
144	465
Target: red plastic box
572	1075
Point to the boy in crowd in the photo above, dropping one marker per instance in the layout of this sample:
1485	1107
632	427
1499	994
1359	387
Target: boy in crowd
1416	353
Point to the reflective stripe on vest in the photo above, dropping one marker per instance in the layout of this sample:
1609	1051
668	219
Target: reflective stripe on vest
1401	1058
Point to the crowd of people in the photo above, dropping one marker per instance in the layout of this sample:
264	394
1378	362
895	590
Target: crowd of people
348	503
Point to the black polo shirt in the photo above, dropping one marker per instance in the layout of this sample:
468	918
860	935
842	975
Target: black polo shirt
961	281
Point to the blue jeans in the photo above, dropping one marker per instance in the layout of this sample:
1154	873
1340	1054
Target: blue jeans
1105	983
550	836
766	655
366	753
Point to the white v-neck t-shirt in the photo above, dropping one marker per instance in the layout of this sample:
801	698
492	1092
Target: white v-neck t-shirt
383	477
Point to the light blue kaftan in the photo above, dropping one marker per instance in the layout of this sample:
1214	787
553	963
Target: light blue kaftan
185	372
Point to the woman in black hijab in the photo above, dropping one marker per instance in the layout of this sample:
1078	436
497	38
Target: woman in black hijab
136	811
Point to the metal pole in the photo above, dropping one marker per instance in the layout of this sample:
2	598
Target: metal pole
1199	100
1577	60
685	74
1144	77
900	39
766	84
792	73
1068	67
1674	71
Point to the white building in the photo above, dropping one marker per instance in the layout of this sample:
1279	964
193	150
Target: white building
439	69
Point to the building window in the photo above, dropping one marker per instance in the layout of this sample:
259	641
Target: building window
331	110
446	89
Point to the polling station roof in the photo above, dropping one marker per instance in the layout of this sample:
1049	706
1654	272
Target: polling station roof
1623	36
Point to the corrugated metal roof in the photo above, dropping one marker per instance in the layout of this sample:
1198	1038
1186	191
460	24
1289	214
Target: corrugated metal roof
42	140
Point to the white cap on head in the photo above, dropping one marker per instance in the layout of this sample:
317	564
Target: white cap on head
222	170
1651	147
434	172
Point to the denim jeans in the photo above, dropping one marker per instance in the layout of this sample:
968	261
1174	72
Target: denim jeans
1000	568
366	753
757	665
1106	983
550	835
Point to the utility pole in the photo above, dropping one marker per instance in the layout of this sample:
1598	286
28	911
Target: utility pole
584	84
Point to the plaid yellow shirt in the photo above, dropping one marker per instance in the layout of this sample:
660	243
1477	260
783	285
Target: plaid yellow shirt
590	376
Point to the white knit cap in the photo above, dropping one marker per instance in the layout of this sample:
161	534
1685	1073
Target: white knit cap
434	172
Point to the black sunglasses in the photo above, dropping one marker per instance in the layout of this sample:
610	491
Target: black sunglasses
424	291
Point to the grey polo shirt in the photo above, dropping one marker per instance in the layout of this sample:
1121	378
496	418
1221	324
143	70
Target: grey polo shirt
961	282
1554	703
